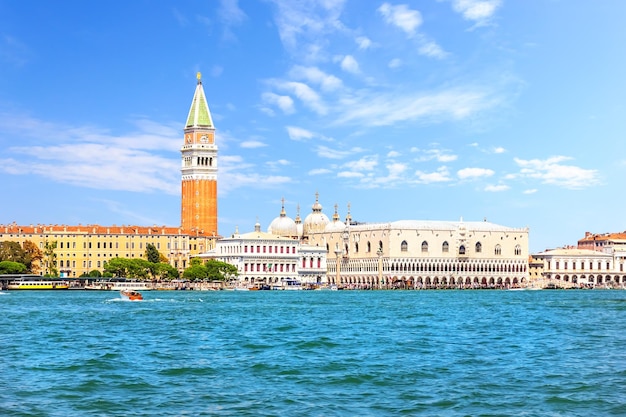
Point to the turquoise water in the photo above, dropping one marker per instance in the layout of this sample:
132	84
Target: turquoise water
314	353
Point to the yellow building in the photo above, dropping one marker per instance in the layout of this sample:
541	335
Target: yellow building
81	249
84	248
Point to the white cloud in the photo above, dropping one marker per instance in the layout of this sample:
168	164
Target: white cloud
367	163
387	109
285	103
304	93
349	64
496	188
302	21
298	133
326	152
530	191
395	63
478	11
441	175
402	17
552	171
440	155
252	144
499	149
431	49
349	174
316	76
319	171
363	42
393	154
470	173
278	163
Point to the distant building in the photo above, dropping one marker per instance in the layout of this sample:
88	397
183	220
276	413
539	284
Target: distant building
82	249
267	259
573	267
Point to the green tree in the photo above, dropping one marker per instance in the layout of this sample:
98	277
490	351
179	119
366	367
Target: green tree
117	266
210	270
51	258
11	251
222	271
10	267
33	256
152	254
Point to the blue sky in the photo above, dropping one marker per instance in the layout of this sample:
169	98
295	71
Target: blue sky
513	111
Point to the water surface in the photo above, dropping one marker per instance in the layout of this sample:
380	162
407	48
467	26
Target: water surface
314	353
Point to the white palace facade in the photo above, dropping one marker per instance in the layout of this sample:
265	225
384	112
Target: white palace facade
264	259
400	254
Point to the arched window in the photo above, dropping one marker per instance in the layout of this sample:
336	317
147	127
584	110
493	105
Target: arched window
498	250
479	247
404	247
462	250
424	246
518	250
445	247
369	247
380	246
356	247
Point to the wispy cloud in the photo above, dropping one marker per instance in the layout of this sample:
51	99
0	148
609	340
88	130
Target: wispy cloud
552	171
326	152
284	103
383	109
252	144
316	76
496	188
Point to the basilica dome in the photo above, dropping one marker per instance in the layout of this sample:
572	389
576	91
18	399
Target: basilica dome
283	225
316	221
336	225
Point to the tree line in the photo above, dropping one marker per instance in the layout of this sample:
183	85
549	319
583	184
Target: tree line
27	258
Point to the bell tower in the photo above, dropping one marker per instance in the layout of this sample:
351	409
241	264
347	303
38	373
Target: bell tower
199	168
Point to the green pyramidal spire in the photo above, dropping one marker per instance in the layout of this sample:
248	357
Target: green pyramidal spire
199	114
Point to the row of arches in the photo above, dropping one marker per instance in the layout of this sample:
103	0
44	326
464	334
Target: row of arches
424	282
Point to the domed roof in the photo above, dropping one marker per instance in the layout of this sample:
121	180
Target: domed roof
316	221
283	225
336	225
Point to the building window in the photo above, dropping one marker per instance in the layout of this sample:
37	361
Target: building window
478	247
462	250
445	247
498	250
424	246
518	250
404	247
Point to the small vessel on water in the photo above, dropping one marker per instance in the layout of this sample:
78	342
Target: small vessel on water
131	295
35	284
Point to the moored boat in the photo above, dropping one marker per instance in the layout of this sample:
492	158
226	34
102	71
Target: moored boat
131	295
27	284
